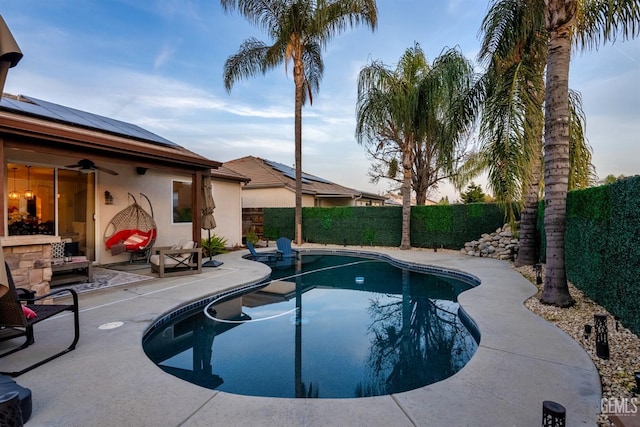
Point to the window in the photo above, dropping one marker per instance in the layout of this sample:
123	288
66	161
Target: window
181	201
30	200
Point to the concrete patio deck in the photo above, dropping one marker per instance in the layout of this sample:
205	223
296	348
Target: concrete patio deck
521	361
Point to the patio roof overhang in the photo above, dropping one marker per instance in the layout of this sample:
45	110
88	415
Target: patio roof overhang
26	132
32	133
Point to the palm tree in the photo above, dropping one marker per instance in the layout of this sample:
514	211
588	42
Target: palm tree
387	112
514	48
299	30
413	105
594	21
560	21
512	92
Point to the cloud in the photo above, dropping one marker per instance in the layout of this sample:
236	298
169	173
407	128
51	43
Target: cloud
165	55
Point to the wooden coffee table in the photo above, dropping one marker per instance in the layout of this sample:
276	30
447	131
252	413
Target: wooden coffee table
70	272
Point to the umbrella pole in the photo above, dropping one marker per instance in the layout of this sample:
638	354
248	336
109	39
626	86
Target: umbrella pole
211	262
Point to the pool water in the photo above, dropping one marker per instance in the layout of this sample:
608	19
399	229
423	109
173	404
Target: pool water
325	327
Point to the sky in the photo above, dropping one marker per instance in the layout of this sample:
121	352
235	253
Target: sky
159	64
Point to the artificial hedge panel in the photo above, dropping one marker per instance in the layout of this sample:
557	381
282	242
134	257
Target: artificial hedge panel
602	244
432	226
279	222
440	226
451	226
587	228
361	225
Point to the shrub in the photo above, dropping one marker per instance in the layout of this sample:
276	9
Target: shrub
213	246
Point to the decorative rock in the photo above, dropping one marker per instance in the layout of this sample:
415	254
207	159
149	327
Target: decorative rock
499	244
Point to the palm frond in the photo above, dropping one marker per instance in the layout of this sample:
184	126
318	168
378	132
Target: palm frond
247	62
602	21
582	173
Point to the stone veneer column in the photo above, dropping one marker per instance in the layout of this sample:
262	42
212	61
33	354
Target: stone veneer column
29	259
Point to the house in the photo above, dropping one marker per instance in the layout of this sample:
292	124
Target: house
273	185
66	173
395	199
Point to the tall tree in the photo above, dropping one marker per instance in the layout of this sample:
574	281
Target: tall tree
299	30
413	109
474	194
594	21
560	21
429	169
514	50
387	113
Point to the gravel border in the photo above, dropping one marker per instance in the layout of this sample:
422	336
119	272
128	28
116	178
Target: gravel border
616	373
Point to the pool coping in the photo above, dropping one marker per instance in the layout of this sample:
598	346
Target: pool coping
521	361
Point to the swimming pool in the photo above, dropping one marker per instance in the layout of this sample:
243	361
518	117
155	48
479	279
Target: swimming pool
327	326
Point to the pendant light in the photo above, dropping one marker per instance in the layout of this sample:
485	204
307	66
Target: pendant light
28	194
14	195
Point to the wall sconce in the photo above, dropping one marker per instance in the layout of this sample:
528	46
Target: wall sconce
108	198
28	194
14	195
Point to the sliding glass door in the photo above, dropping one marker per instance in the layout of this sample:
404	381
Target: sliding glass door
45	200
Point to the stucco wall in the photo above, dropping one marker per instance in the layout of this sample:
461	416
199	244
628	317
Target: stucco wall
332	203
273	198
157	186
228	212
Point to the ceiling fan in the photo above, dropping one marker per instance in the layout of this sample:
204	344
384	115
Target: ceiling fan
86	166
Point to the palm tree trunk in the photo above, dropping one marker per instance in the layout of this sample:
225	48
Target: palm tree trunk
560	18
528	247
527	250
407	164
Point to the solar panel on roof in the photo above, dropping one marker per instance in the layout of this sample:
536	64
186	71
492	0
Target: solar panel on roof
73	116
290	172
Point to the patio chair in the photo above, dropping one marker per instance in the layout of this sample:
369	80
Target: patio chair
183	258
284	248
260	257
17	320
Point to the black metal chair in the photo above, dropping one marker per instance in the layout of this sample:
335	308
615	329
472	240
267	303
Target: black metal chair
14	323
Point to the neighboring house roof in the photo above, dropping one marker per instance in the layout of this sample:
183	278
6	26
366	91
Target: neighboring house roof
51	124
228	174
396	200
269	174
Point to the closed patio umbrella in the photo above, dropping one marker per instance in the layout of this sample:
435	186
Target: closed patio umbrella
10	53
208	221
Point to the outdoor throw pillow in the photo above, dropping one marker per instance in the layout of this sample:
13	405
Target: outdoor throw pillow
28	313
189	244
135	240
57	250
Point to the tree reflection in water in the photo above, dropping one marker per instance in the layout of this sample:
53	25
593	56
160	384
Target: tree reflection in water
415	341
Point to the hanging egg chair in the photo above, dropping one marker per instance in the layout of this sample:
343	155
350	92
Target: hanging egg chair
132	230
